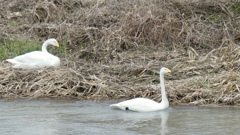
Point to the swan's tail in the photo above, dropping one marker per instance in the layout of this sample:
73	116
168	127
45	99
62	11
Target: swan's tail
118	106
17	64
114	106
14	62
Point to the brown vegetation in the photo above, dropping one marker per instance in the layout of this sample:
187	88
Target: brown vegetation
116	48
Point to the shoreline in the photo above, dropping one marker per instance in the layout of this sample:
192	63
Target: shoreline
64	83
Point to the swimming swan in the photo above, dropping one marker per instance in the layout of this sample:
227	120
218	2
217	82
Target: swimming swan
144	104
37	59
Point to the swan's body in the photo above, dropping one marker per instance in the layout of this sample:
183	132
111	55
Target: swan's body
144	104
37	59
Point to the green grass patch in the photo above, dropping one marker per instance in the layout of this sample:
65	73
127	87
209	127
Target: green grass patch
13	47
10	48
236	8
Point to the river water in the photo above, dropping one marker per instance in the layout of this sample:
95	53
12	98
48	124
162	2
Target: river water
71	117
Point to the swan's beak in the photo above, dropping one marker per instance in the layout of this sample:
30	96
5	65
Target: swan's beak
169	71
57	45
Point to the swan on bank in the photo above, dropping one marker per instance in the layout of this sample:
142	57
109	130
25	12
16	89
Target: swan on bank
37	59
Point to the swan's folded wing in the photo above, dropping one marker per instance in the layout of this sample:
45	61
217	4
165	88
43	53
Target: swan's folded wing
31	57
137	104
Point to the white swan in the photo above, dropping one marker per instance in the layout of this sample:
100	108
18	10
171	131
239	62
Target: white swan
37	59
144	104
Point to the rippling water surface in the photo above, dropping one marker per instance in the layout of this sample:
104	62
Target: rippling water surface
66	117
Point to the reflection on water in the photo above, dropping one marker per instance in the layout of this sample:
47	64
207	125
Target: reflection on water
61	117
144	123
151	122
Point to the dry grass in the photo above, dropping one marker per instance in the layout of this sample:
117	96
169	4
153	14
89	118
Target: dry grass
116	48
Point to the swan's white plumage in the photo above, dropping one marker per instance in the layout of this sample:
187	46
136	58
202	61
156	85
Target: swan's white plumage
140	105
144	104
37	59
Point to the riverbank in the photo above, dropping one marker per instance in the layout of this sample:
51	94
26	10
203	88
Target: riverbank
114	50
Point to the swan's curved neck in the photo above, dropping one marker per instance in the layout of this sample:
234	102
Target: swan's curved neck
163	92
44	47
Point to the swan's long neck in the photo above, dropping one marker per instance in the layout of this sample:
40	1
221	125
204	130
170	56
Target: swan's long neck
163	92
44	47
